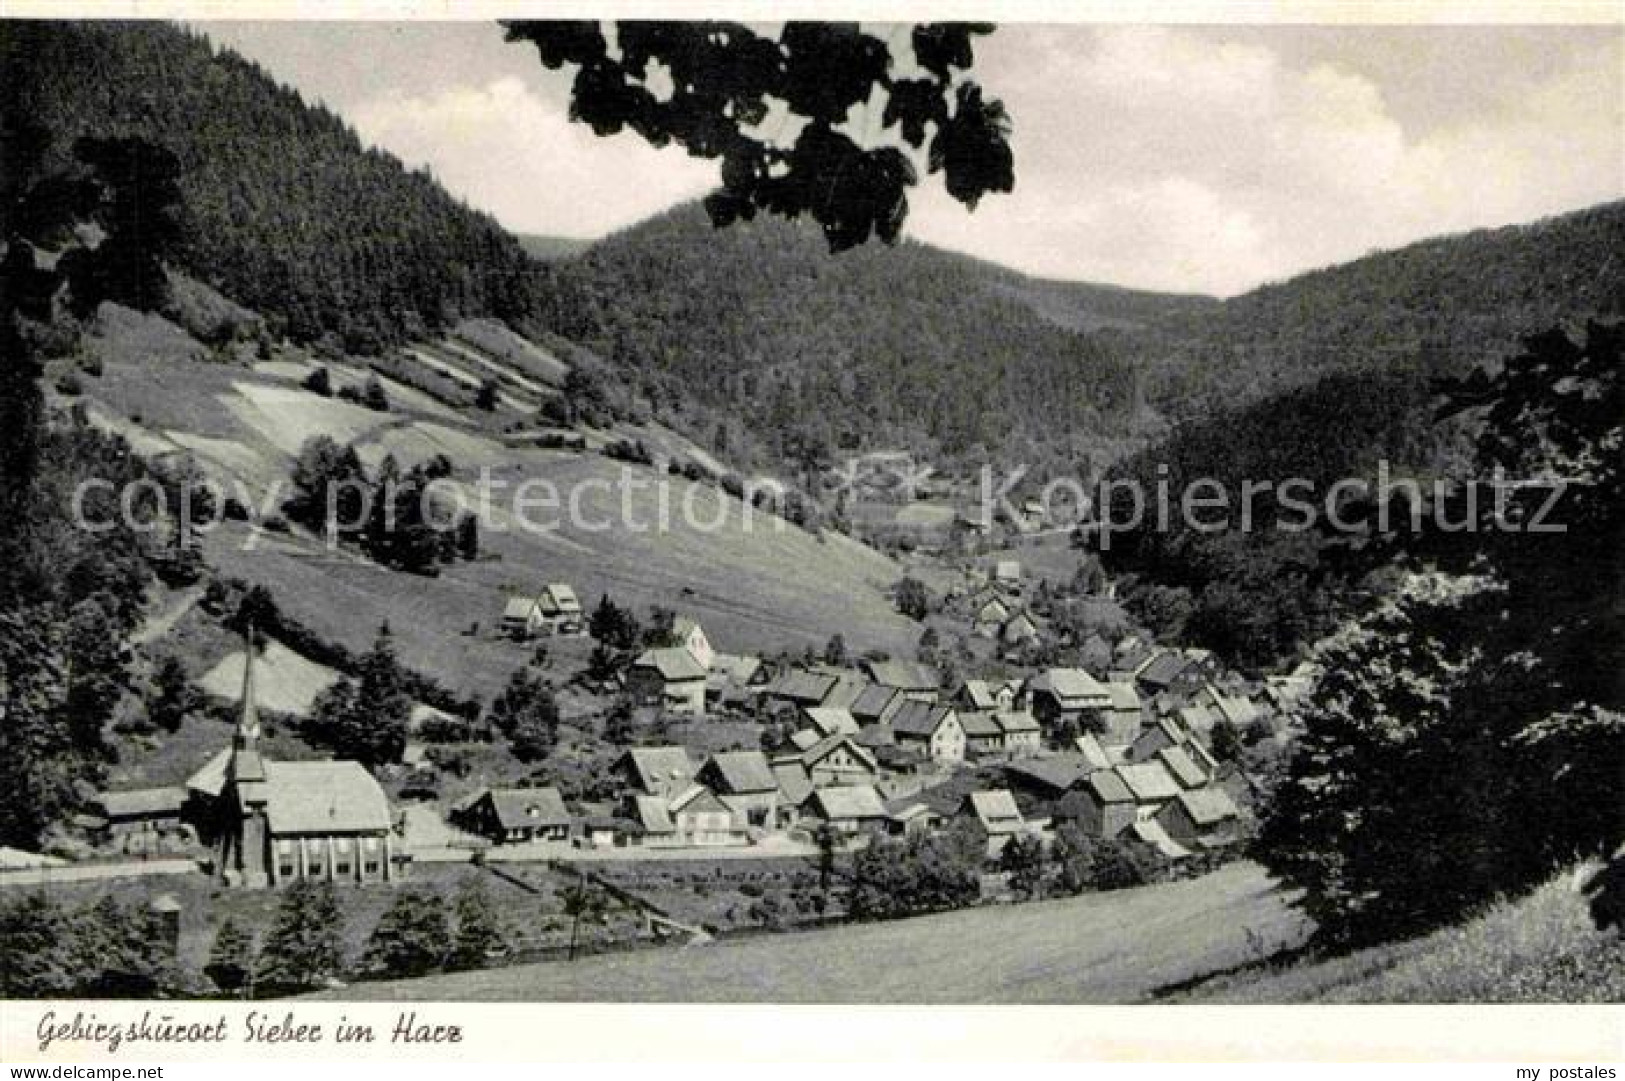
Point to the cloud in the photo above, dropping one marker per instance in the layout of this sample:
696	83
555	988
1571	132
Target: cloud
510	149
1155	157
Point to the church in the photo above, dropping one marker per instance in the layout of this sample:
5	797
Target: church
272	822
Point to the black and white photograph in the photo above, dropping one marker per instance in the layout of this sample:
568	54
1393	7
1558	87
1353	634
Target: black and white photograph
735	511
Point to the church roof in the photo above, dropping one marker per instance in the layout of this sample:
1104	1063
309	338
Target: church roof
323	797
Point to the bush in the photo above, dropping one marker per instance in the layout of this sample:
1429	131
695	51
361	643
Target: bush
320	382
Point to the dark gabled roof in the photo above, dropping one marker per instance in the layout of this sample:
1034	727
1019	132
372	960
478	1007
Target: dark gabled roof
828	745
518	808
794	784
696	797
736	773
800	686
1162	669
904	675
1058	774
919	719
872	702
874	737
980	724
1015	720
847	687
659	765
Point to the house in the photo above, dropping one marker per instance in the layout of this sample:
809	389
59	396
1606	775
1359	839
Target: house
1238	711
1021	629
910	818
988	613
1151	784
830	720
984	694
1201	818
609	831
745	782
1094	755
1150	833
849	810
934	730
560	609
520	617
652	825
876	705
983	736
687	634
796	687
833	761
732	678
670	678
1123	715
996	817
1183	767
1007	574
655	771
1022	734
1160	734
512	815
1103	806
917	681
1066	695
795	787
274	822
849	685
142	810
703	820
1168	670
1039	782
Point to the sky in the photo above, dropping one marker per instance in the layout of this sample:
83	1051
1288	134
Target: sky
1179	158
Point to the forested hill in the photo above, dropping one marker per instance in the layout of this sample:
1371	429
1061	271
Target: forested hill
873	345
1444	304
286	211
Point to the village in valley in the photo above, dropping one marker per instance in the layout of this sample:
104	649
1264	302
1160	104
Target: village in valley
1035	734
393	605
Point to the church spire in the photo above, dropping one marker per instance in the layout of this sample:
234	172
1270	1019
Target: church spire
248	719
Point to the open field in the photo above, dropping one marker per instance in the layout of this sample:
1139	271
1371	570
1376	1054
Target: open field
1100	948
636	533
1541	948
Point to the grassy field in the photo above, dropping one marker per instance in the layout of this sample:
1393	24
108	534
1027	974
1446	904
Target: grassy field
757	583
1102	948
1540	948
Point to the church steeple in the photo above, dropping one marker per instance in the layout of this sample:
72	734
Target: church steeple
245	763
247	736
